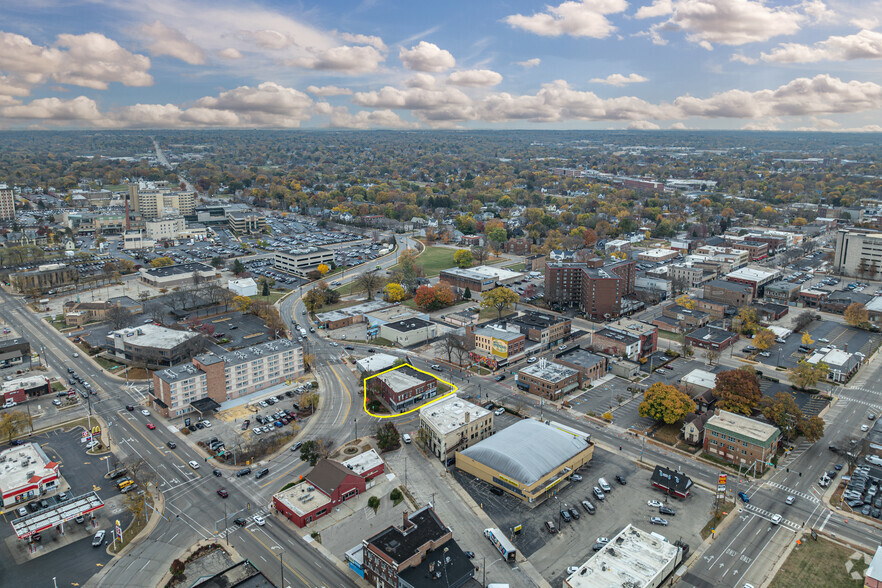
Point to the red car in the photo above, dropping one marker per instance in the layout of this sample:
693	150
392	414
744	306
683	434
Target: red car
222	493
151	426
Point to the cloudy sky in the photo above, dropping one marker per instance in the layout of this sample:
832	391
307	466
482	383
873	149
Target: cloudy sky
592	64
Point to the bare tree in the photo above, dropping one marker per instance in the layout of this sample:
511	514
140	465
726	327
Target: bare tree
712	355
118	316
480	254
448	346
156	312
369	281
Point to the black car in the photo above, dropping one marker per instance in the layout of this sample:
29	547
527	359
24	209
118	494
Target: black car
574	513
496	491
243	472
666	510
240	521
218	473
565	515
349	348
171	444
191	427
621	480
500	377
469	554
598	546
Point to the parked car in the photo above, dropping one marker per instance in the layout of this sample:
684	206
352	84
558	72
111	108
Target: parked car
790	500
654	503
499	411
621	480
667	510
589	507
599	493
565	515
98	539
658	521
550	526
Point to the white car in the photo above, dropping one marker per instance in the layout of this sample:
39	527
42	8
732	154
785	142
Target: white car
193	464
531	360
572	570
145	412
91	444
562	347
865	428
263	404
334	344
499	411
57	402
776	518
206	424
603	540
257	430
654	503
259	520
575	477
790	499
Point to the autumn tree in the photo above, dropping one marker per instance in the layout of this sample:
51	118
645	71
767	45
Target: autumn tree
685	301
764	339
806	375
463	258
856	314
812	428
394	292
803	320
162	262
369	281
711	355
499	298
807	339
323	268
589	237
738	390
408	269
433	297
745	321
783	411
118	316
313	300
243	303
665	403
12	424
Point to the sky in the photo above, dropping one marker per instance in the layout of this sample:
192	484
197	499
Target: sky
811	65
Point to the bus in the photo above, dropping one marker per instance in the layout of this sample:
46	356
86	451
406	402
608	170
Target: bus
504	546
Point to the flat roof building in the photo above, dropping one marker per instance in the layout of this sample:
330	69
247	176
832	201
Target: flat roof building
528	459
407	332
632	558
26	472
300	261
478	279
182	274
548	380
376	363
453	424
591	365
741	440
153	345
403	387
343	317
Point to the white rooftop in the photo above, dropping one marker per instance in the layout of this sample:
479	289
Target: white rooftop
657	252
700	378
364	462
742	425
834	357
303	498
399	381
152	336
550	372
242	283
487	271
376	363
449	414
22	465
753	274
25	383
633	558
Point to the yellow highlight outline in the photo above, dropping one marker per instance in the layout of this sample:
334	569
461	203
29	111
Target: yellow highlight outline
392	416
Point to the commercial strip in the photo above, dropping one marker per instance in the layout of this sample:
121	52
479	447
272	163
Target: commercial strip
26	472
528	459
183	274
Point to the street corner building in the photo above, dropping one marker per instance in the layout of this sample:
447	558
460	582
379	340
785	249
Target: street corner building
528	459
327	485
420	553
453	424
25	473
741	440
403	387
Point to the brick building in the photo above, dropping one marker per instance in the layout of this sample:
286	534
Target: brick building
740	440
549	380
518	246
543	328
453	424
419	552
46	277
782	292
615	343
590	365
731	293
597	289
646	333
478	279
754	277
496	344
756	250
327	485
713	338
403	387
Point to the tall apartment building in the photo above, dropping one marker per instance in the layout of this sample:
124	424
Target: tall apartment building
157	199
858	253
597	289
225	377
7	202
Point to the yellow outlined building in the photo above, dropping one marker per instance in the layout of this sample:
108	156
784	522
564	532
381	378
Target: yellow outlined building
398	414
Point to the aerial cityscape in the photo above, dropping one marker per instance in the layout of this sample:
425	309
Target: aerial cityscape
584	295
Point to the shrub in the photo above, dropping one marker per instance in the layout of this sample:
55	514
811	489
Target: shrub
185	431
395	495
177	568
374	503
607	416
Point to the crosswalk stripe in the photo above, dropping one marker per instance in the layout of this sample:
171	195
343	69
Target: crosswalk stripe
787	524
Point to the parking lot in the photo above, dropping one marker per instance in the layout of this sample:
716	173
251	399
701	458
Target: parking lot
824	333
572	544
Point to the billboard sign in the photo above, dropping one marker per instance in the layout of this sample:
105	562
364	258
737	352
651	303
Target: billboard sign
721	487
499	348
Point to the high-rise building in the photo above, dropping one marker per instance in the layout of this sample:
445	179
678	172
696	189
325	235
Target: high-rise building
157	199
7	202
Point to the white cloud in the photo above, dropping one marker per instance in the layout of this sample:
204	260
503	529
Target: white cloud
643	125
530	63
620	80
91	60
736	22
743	58
656	9
268	38
55	109
865	44
269	104
678	126
426	57
229	53
475	78
585	18
421	80
340	117
328	91
169	41
763	125
347	59
867	22
375	42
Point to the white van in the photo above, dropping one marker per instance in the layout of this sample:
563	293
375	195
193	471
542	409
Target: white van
604	485
406	438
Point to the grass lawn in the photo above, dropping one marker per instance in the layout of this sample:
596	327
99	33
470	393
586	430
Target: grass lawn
712	523
672	336
819	563
273	297
516	267
337	306
492	313
435	259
